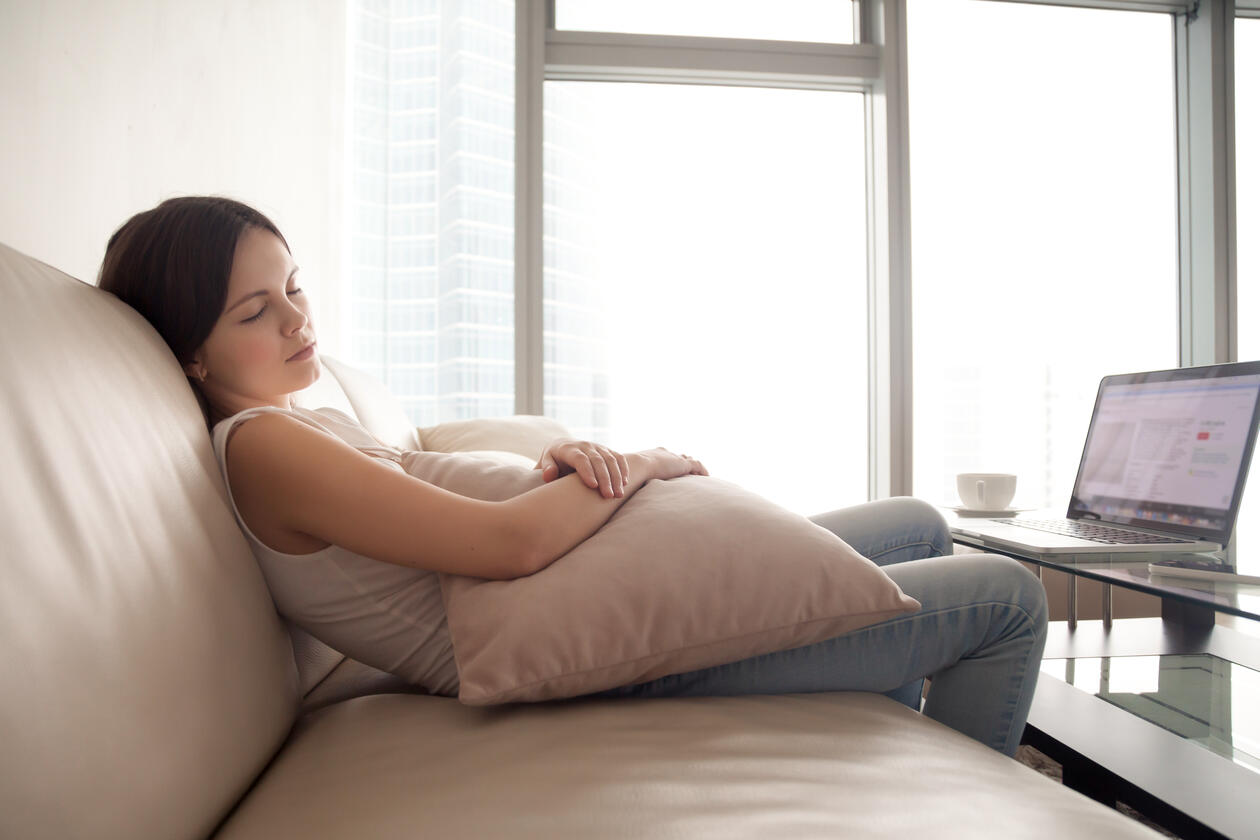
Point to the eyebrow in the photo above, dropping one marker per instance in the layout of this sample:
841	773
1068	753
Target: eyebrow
259	292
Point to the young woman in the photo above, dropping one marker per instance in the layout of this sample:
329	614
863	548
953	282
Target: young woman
316	495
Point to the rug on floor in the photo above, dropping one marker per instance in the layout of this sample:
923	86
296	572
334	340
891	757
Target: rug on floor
1047	766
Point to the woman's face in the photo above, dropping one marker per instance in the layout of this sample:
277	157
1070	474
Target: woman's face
262	347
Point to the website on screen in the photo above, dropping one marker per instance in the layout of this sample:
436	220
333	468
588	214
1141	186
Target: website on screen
1168	451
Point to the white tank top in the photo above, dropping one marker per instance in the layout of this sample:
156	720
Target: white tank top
382	614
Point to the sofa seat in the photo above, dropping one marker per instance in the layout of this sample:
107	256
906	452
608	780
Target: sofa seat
792	766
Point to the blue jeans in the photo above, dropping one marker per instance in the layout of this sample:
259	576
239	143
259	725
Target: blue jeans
979	635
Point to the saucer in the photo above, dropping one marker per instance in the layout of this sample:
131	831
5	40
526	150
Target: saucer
986	514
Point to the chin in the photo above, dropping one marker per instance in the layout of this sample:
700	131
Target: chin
316	370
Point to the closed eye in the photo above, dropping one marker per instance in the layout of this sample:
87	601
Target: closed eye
264	309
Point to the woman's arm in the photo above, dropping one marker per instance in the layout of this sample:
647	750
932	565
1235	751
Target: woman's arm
317	484
561	514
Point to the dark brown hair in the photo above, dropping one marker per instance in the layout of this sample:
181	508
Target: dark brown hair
172	263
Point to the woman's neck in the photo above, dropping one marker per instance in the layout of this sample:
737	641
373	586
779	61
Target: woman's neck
218	414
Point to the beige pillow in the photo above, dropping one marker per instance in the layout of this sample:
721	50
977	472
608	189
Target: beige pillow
524	434
688	573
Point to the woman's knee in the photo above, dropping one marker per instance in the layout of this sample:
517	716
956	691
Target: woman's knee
979	578
891	530
1025	590
928	521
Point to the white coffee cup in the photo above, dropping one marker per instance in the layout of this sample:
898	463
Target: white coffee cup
986	491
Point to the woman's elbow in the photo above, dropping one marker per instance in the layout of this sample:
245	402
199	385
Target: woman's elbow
522	549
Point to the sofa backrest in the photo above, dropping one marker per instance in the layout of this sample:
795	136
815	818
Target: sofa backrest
146	678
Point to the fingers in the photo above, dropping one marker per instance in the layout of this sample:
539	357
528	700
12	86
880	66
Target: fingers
625	470
549	469
597	475
581	462
608	469
600	468
697	468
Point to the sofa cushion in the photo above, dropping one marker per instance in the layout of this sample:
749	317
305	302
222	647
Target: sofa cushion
525	434
799	766
147	677
688	573
374	407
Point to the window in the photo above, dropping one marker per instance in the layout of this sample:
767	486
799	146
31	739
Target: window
705	267
1043	166
1042	170
829	21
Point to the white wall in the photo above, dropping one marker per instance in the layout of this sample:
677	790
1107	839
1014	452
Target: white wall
110	106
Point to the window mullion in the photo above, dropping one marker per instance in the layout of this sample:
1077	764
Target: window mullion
621	57
1206	226
888	258
1166	6
531	28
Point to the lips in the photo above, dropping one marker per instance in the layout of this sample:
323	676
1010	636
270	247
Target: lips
305	353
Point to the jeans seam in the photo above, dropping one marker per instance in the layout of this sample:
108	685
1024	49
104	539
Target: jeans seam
1009	712
900	547
1017	678
942	611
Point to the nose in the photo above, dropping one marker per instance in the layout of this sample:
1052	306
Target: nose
296	321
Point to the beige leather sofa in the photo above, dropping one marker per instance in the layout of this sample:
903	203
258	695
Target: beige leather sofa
150	690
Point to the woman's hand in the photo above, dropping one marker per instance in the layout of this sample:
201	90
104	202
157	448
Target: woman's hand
669	465
599	467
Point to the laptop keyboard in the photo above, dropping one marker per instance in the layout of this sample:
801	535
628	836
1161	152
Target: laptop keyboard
1091	532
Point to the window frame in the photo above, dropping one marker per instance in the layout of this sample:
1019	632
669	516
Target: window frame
876	66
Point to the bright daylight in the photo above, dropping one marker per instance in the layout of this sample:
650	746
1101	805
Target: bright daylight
617	419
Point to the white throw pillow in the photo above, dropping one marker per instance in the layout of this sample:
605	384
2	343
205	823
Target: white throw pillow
525	434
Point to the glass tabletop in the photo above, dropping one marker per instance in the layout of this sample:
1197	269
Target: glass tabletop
1130	571
1207	700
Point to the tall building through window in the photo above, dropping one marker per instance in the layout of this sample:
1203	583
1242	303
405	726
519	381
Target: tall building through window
430	289
430	292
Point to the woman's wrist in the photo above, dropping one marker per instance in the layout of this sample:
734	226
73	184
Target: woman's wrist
643	467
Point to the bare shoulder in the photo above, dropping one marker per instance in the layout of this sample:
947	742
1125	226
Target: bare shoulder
256	447
268	429
266	455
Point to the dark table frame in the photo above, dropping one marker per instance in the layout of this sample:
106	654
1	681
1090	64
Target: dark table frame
1110	754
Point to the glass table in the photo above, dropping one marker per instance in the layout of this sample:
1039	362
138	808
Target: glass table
1200	697
1187	600
1162	713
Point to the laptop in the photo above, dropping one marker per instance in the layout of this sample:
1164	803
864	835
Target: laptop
1163	469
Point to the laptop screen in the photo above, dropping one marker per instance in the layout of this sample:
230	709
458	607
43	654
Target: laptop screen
1169	450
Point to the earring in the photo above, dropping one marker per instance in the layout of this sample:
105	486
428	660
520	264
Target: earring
202	378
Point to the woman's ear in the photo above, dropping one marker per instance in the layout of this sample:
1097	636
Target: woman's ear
195	369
